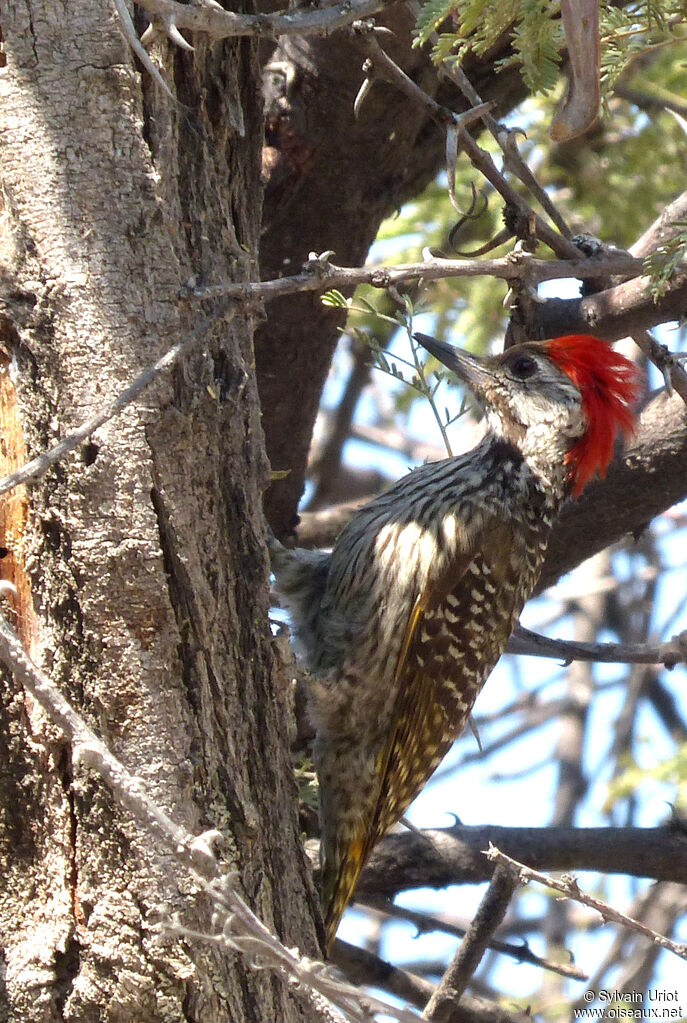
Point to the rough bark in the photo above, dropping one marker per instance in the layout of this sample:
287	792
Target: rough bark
145	553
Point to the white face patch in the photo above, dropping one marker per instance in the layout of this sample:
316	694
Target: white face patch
544	411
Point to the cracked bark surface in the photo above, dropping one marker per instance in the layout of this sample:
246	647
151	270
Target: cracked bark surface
145	550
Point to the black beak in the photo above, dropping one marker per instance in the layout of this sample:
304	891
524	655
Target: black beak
467	367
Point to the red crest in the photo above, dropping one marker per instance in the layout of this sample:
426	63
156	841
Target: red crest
610	385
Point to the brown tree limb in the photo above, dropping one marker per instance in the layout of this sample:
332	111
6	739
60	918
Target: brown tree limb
524	641
320	275
492	909
617	312
455	855
363	967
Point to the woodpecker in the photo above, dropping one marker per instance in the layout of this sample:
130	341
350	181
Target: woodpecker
402	623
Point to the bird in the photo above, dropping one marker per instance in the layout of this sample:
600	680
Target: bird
402	622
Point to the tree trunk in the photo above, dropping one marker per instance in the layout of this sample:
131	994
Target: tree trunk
144	552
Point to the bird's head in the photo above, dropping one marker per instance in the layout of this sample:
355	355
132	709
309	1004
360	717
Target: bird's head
560	402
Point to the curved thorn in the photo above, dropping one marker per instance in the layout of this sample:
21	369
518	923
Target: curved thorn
129	33
175	35
360	98
150	35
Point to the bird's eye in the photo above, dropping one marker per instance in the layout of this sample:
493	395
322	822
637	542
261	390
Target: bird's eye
523	366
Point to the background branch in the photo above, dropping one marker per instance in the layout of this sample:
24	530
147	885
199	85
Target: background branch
569	887
439	857
489	915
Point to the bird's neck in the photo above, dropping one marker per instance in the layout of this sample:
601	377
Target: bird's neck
536	462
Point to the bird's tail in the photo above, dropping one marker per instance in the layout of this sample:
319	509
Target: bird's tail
341	869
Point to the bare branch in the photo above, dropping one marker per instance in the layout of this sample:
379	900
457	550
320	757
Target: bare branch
666	362
363	967
569	887
490	913
218	23
321	275
523	641
513	161
382	63
619	311
662	228
479	159
427	923
443	856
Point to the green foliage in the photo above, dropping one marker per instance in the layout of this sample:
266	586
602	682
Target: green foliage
632	31
663	263
536	35
672	771
433	14
537	41
414	371
612	183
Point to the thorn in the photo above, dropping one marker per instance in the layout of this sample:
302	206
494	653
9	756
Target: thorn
363	92
680	120
410	826
150	35
475	731
175	35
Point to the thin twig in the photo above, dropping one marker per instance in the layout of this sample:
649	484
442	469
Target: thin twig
321	275
427	923
523	641
505	138
39	466
491	912
569	888
237	927
670	366
397	76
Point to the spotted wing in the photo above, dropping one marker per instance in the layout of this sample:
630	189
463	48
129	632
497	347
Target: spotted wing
455	636
456	632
